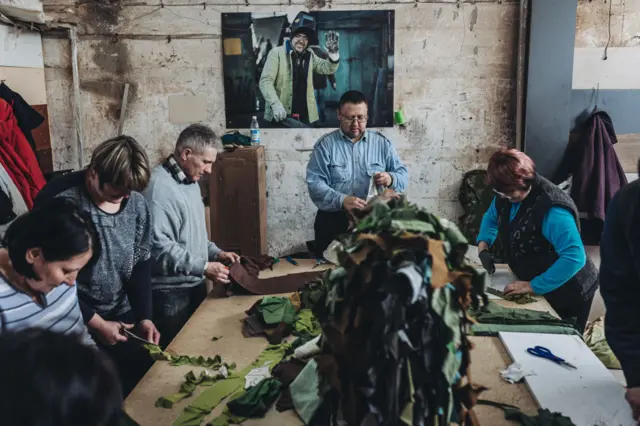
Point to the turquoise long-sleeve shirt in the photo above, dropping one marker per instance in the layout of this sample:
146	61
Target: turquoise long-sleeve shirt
339	168
559	227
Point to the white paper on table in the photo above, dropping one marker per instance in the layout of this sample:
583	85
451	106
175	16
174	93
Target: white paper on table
501	278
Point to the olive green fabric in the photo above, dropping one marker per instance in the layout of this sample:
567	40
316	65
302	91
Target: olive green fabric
306	324
197	361
256	401
493	313
277	310
494	329
206	378
595	339
520	299
213	396
544	417
253	403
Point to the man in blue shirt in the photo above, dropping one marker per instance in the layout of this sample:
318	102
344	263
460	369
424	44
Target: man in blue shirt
342	165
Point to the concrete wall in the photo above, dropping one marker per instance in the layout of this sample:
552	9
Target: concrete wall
617	77
454	67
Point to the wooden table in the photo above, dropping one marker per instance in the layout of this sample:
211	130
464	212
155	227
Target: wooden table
221	318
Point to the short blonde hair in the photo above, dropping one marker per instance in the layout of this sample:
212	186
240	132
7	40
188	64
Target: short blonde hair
122	163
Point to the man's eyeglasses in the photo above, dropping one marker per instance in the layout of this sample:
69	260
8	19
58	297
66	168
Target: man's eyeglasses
358	118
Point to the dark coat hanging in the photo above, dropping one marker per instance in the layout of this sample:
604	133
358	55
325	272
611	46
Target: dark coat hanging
596	170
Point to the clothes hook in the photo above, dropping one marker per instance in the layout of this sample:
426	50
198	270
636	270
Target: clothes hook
597	93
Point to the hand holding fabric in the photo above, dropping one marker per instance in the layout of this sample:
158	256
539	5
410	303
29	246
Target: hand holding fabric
487	261
227	256
279	113
149	331
633	398
518	287
383	179
217	272
332	45
354	203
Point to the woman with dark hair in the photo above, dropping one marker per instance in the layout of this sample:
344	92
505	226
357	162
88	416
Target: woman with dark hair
52	379
538	226
43	252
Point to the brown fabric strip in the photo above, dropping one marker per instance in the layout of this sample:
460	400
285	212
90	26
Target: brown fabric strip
283	284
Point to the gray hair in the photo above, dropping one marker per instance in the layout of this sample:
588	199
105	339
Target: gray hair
197	137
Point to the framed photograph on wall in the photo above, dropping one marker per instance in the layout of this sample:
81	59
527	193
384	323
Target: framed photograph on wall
289	70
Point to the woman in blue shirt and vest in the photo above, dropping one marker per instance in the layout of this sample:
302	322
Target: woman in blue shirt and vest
538	226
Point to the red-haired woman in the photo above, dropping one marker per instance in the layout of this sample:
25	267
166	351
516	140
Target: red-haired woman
538	226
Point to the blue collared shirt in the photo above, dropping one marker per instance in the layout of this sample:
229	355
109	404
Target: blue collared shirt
339	168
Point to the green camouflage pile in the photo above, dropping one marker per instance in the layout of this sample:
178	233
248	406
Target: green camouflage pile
393	316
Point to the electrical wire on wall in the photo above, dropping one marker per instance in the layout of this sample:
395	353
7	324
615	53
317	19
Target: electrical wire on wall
604	57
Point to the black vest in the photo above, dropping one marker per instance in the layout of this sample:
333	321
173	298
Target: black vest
529	253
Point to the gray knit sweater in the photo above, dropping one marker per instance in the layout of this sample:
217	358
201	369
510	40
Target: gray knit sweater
180	246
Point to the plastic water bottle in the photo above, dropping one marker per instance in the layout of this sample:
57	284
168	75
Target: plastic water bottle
255	131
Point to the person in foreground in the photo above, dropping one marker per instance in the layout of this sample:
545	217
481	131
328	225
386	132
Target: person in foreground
181	254
53	379
115	292
538	226
341	167
44	251
620	285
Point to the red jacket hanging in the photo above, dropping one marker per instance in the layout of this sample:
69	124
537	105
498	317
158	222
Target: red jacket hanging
17	157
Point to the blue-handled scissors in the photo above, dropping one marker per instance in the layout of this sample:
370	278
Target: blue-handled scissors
542	352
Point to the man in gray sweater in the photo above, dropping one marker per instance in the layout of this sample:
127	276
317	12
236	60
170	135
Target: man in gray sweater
181	254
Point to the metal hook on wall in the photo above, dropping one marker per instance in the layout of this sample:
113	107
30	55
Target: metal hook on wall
597	93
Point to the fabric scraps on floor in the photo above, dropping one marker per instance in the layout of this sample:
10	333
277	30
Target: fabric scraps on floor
393	317
595	339
203	404
206	378
544	417
493	318
197	361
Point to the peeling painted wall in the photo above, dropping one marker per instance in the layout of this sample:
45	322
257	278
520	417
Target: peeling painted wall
454	75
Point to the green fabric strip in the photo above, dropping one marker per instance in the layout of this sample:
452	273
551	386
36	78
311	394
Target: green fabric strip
197	361
211	397
206	378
